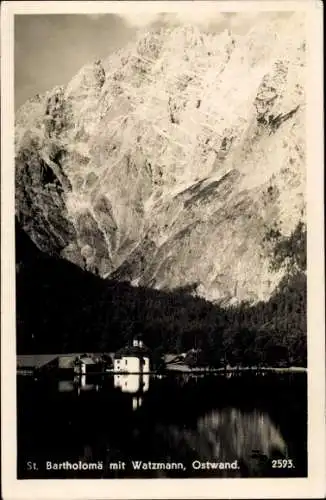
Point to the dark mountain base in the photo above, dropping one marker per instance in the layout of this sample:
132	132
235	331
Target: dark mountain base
61	308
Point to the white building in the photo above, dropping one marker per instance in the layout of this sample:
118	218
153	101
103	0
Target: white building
132	359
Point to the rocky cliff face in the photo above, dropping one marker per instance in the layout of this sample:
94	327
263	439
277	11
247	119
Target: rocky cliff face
170	163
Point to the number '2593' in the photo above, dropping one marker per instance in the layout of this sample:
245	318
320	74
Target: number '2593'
285	463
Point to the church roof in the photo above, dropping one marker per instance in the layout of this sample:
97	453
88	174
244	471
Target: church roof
135	351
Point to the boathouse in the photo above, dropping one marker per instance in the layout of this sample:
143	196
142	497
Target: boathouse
66	363
36	363
87	364
134	358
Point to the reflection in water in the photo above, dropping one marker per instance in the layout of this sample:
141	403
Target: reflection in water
66	385
84	385
135	384
238	434
79	383
169	418
136	402
228	435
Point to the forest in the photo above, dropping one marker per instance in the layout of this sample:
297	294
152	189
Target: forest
62	308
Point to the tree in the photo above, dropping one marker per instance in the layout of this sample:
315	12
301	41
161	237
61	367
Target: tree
158	360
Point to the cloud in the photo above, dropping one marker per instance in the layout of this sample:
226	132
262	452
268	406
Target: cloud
140	19
203	18
209	19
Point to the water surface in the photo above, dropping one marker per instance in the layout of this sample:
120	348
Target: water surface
257	423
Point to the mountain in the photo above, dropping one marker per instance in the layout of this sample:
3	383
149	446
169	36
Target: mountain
176	163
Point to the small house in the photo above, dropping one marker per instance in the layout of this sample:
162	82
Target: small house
195	358
132	359
66	363
86	364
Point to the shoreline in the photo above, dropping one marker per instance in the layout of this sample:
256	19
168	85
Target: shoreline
171	370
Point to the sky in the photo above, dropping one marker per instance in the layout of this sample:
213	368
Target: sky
51	48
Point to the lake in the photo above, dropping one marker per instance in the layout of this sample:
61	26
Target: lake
175	425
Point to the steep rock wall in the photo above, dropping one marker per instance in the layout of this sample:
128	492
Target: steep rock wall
169	163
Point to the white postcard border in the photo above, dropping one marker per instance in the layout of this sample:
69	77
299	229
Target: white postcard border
314	485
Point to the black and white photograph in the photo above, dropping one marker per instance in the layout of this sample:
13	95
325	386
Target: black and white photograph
160	228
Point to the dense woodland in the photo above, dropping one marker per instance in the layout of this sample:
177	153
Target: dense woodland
61	308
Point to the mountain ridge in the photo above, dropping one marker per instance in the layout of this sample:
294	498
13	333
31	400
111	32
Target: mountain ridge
155	166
